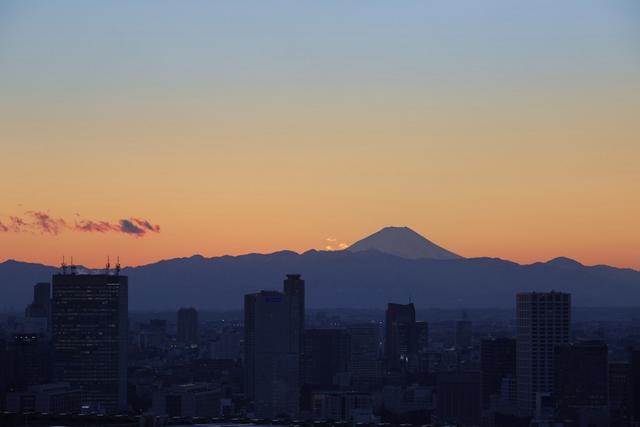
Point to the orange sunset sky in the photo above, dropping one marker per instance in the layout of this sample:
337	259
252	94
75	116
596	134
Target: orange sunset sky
491	128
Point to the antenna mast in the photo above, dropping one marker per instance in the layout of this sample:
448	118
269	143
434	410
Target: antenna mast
72	267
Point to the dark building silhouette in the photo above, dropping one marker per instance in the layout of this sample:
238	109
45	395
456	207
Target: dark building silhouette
464	333
365	354
274	327
497	362
326	354
187	326
29	360
58	398
581	375
459	398
422	332
156	334
401	339
89	334
634	383
542	323
619	393
41	305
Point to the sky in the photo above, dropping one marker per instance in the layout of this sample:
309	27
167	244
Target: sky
159	129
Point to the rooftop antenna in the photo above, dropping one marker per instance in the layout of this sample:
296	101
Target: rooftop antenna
64	266
118	266
108	268
72	266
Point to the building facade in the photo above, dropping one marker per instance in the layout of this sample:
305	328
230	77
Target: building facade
497	363
274	328
543	322
401	338
187	324
89	336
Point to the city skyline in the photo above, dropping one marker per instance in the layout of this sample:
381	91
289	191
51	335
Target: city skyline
495	129
336	213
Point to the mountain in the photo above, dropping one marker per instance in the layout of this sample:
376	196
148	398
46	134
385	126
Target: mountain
402	242
346	279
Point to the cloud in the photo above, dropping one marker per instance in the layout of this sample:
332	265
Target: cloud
17	224
45	223
334	245
138	226
90	226
37	221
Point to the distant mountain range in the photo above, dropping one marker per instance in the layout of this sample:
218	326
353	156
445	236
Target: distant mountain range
392	265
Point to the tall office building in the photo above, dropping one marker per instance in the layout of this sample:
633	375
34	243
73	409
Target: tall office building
41	305
543	321
401	339
497	362
89	334
274	328
187	326
365	354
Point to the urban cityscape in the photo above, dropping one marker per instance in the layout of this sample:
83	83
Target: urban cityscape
319	213
77	355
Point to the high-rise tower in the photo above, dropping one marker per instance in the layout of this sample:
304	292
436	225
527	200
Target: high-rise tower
543	321
89	334
401	338
274	327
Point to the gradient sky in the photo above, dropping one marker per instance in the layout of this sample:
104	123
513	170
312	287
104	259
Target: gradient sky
494	128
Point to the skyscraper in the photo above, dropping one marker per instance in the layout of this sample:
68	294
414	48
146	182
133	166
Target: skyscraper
41	305
274	327
543	321
497	362
365	358
89	327
401	339
187	326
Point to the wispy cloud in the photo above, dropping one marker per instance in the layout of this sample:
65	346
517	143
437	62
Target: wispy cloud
90	226
138	226
45	223
41	222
